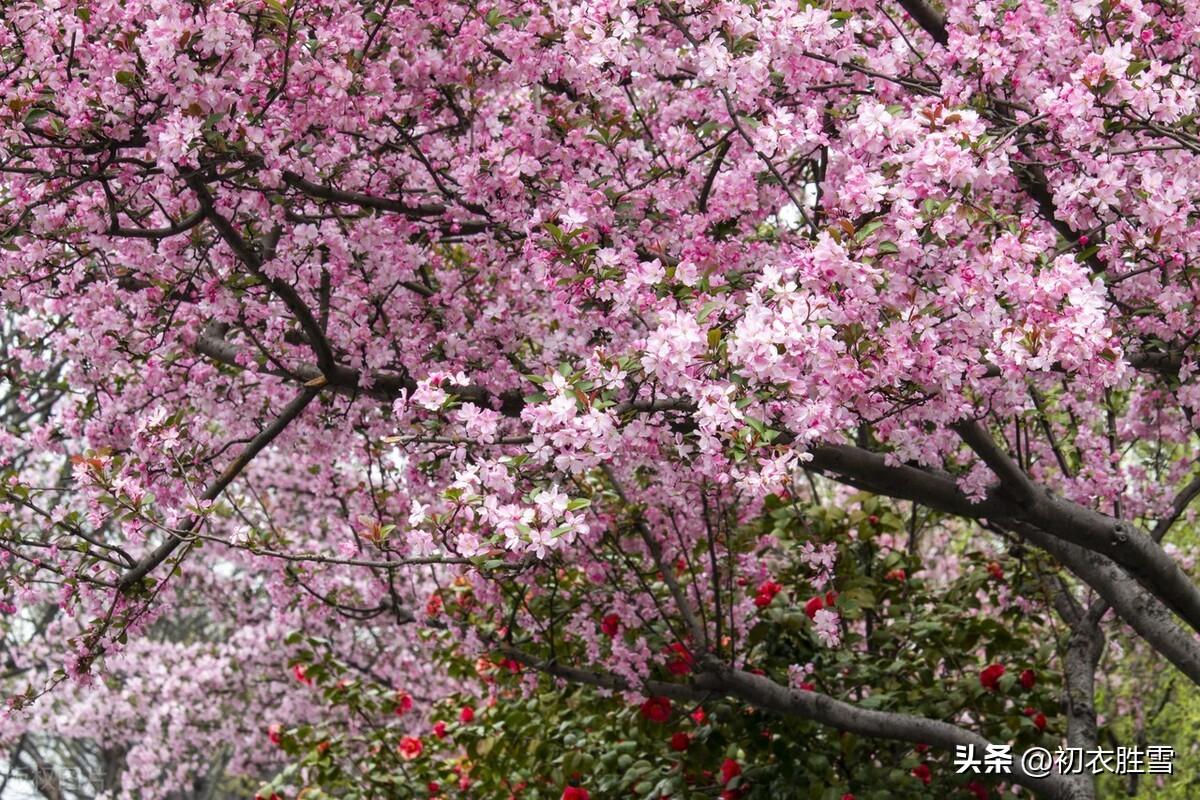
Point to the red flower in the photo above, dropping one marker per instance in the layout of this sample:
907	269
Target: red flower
897	575
996	570
805	686
275	734
1039	719
683	662
730	769
657	709
921	748
298	671
433	605
575	793
989	678
922	773
410	747
1028	678
323	746
467	715
404	702
680	741
610	625
439	729
766	593
434	787
978	789
830	599
847	796
813	606
698	716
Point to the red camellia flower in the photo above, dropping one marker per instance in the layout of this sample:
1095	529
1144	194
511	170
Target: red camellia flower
897	575
410	747
814	605
830	599
1028	678
698	716
275	734
404	702
434	787
978	789
848	796
766	593
466	715
575	793
657	709
805	686
680	741
610	625
996	570
921	748
922	773
683	662
298	671
730	769
439	729
1039	719
989	678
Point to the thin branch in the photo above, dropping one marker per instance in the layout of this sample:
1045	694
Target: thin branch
256	446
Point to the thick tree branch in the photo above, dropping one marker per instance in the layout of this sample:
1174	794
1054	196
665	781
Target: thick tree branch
1139	555
1084	648
1137	607
929	19
1011	476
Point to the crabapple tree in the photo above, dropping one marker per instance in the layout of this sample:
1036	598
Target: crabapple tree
764	394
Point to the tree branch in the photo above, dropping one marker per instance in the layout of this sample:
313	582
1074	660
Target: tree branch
929	20
1133	604
254	262
256	446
